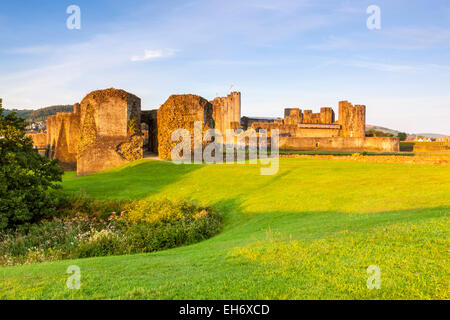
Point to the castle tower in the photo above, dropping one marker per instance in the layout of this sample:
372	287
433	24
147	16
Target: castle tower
326	115
109	130
352	119
359	126
227	111
292	116
235	98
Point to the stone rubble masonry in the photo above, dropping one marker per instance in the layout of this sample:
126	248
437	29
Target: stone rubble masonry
63	132
247	122
110	130
308	124
227	112
352	119
101	133
39	141
319	131
377	144
180	112
293	116
326	115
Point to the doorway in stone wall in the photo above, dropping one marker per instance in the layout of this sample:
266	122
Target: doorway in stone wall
149	126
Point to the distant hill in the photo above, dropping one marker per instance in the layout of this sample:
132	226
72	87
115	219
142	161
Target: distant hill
21	113
382	129
431	135
41	114
395	132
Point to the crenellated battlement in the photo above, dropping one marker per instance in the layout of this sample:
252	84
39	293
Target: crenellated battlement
306	123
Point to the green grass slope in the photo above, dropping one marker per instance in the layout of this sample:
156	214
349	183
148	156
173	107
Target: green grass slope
309	232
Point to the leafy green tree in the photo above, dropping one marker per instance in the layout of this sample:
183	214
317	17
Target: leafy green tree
26	178
402	136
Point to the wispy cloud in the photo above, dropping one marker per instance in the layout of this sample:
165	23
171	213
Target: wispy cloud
153	54
277	6
381	66
391	67
30	50
332	43
347	9
423	37
399	38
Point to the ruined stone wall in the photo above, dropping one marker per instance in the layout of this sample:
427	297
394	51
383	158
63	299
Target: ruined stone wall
326	116
105	130
293	116
247	122
359	126
310	117
384	144
51	137
283	129
180	112
39	141
320	131
306	132
376	144
352	119
293	130
110	132
235	101
63	131
227	111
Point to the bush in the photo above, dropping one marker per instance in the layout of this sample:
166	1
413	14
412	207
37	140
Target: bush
101	243
162	211
54	239
71	205
164	224
142	226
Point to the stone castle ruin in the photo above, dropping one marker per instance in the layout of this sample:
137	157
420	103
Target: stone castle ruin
108	128
102	132
321	131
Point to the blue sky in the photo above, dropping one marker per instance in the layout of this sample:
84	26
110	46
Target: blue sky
279	54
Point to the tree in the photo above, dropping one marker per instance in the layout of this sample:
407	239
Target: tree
377	133
402	136
26	178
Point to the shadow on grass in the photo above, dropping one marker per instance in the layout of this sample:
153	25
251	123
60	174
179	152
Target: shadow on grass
254	226
135	181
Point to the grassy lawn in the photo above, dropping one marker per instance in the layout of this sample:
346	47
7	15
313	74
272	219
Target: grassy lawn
309	232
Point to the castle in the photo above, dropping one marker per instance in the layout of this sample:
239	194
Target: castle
108	128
